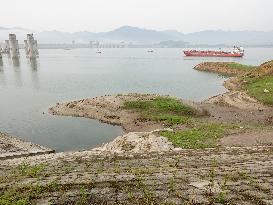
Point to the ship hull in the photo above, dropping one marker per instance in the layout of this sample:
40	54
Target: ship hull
213	54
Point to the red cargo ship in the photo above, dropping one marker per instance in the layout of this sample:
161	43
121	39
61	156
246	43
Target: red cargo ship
236	52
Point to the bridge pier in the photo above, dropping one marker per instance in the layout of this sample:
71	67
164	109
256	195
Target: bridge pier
31	46
13	46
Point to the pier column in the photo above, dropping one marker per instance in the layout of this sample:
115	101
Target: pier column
26	47
31	46
13	46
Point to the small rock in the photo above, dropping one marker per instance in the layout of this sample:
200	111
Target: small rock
266	91
200	184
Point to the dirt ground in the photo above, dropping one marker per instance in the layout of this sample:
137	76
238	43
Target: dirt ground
108	109
248	139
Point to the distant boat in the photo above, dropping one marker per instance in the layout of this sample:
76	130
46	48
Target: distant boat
98	51
67	49
150	51
236	52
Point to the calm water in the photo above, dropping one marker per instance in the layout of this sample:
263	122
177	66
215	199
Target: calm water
27	89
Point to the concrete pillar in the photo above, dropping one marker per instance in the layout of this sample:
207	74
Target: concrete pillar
26	47
6	48
17	44
36	48
13	46
32	50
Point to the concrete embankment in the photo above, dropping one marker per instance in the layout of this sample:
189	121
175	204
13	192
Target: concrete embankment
211	176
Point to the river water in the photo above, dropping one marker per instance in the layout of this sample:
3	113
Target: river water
28	89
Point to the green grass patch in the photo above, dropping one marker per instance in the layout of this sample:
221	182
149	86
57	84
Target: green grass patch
195	135
169	110
31	171
170	119
256	88
203	136
160	105
25	194
239	66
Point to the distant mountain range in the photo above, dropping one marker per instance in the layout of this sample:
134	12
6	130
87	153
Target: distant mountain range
137	35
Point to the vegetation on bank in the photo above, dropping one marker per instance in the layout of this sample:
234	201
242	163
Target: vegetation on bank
172	112
256	81
261	89
205	135
161	105
162	109
225	68
239	66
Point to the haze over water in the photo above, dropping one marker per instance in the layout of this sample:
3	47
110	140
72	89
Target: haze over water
28	89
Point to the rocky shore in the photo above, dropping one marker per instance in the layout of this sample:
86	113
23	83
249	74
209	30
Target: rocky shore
11	147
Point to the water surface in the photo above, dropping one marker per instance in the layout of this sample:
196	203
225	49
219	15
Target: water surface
28	89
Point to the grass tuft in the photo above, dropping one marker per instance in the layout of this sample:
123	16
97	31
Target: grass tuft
163	109
161	105
257	88
172	119
200	137
238	66
31	171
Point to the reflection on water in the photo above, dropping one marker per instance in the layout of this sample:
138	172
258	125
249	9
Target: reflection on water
33	64
2	74
16	62
17	72
34	73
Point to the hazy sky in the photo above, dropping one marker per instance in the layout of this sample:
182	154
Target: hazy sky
104	15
